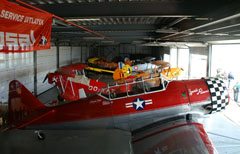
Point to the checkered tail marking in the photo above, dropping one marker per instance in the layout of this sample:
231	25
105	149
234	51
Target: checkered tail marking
219	94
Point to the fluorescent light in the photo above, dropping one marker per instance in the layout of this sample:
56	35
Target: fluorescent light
107	42
177	44
93	38
203	19
166	31
84	19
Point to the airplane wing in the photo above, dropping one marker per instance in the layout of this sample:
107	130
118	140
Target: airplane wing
172	136
67	142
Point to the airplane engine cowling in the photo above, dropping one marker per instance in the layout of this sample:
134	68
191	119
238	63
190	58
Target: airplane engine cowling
219	94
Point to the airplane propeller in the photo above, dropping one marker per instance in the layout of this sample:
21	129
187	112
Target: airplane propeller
46	77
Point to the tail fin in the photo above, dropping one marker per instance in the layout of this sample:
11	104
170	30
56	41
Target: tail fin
20	102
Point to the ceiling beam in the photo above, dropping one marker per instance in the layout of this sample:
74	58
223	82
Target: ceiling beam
127	27
158	9
219	17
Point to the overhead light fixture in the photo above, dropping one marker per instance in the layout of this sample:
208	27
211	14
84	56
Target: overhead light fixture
138	42
203	19
84	19
93	38
107	42
177	44
166	30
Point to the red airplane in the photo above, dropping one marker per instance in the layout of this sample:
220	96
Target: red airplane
132	111
73	84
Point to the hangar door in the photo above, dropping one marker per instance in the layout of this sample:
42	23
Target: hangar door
225	59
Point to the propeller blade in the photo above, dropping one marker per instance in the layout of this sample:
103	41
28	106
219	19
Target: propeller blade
46	77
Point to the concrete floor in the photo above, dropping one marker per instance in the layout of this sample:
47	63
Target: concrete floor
223	129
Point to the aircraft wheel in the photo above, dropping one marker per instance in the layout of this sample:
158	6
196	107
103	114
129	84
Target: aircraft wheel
40	135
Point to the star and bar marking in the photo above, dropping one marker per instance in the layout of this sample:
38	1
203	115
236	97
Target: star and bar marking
138	103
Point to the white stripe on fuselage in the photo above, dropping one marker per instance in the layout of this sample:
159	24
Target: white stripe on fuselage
147	102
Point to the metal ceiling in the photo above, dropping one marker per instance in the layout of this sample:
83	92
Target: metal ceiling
128	21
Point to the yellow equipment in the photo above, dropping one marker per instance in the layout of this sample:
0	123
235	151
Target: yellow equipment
99	70
172	72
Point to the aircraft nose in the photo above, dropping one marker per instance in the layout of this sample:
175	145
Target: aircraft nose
219	94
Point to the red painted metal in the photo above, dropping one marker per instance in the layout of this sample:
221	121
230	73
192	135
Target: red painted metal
69	69
205	139
163	130
34	120
185	133
65	79
197	90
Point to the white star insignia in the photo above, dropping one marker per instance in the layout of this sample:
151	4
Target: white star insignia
138	103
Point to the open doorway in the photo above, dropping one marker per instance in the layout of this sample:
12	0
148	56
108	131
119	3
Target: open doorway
226	59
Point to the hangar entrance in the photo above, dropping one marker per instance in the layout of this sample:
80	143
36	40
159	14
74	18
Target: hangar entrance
225	59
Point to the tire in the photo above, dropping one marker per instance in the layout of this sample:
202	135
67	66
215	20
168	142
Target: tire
41	136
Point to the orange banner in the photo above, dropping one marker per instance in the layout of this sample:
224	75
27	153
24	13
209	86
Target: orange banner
22	29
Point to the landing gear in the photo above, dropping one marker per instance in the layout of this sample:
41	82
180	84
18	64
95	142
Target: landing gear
40	135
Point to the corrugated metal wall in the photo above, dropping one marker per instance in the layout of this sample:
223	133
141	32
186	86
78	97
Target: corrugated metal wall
123	50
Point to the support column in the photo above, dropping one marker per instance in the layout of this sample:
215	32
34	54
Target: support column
58	65
177	60
81	54
189	62
209	64
35	72
71	54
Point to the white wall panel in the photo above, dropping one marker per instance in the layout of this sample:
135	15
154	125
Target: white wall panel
18	66
76	54
84	54
64	56
46	62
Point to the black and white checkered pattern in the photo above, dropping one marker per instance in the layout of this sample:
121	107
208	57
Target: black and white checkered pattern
219	94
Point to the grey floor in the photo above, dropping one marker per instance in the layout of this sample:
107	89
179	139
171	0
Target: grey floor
223	130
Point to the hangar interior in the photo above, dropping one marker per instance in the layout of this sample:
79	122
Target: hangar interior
143	28
171	30
31	68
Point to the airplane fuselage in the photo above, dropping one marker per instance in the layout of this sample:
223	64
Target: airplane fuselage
129	112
